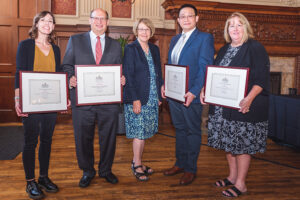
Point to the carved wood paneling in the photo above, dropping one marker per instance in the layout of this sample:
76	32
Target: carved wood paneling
65	7
277	28
121	9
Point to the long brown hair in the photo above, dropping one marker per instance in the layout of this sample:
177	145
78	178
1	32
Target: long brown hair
33	32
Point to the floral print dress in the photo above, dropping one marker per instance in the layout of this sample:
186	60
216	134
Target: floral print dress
145	124
235	137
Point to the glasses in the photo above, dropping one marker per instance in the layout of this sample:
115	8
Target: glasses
143	30
99	19
186	17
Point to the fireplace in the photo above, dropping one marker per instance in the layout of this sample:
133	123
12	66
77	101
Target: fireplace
275	83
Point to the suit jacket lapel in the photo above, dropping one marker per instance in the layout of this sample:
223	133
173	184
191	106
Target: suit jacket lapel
106	49
89	46
140	51
151	49
187	44
172	45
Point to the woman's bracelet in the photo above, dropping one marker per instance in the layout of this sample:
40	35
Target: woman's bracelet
17	98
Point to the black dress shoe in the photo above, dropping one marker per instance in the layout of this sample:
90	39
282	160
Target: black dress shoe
33	190
111	178
85	181
47	184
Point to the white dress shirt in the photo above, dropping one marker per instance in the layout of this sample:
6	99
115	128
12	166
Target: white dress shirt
178	43
93	38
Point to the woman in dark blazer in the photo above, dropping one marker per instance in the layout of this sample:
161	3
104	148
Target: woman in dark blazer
142	69
241	133
38	53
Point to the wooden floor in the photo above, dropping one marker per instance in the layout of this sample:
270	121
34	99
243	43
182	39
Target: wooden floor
273	175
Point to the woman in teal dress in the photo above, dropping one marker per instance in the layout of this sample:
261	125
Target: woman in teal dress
142	69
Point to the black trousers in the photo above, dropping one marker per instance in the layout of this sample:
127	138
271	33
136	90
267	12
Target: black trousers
36	125
84	122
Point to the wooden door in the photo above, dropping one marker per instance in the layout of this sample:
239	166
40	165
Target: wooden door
15	21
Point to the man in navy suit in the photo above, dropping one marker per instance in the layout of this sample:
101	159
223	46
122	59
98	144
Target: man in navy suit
194	49
90	48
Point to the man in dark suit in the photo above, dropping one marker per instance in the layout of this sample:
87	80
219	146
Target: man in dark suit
194	49
92	48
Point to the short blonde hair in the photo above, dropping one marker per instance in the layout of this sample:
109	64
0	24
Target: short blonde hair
145	21
248	31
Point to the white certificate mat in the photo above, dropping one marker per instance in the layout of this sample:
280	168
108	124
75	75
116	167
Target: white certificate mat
226	86
176	81
98	84
43	92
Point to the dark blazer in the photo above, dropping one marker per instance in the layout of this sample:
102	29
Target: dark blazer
136	71
79	52
253	55
25	58
197	52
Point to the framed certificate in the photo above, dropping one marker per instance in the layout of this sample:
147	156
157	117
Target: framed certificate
226	86
98	84
176	81
43	92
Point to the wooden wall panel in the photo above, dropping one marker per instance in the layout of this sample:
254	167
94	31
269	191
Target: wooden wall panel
6	8
23	32
27	9
6	56
15	20
6	100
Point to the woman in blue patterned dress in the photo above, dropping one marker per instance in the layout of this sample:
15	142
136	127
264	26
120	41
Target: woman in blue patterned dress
241	133
142	69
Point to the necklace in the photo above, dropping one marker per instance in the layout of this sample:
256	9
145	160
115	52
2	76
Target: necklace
145	49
